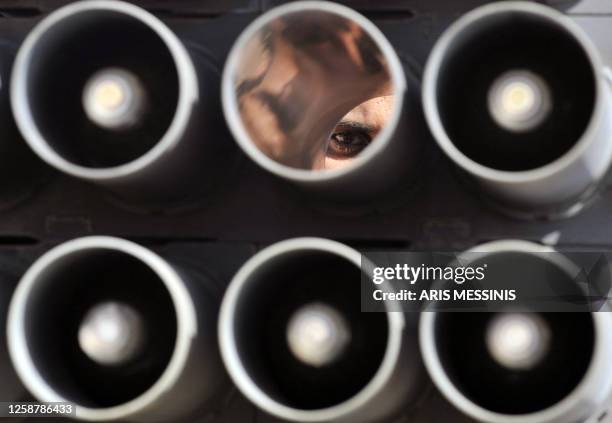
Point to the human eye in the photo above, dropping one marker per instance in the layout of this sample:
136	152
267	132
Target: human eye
348	140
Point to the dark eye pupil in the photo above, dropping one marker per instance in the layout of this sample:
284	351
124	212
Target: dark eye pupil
351	138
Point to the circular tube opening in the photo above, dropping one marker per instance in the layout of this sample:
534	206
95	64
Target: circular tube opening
494	102
261	328
56	65
311	90
52	303
465	356
271	289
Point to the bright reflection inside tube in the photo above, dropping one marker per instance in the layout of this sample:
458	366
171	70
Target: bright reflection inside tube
313	90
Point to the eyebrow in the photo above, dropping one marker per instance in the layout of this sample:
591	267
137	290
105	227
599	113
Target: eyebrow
352	124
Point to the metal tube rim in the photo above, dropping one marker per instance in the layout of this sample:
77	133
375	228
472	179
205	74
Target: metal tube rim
432	70
565	409
241	135
240	375
186	316
188	92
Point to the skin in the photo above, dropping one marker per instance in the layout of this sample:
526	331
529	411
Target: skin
300	77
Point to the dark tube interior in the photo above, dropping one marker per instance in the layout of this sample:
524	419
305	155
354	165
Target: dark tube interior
460	339
64	293
515	41
264	308
65	58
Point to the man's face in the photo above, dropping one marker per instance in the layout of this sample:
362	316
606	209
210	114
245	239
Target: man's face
300	78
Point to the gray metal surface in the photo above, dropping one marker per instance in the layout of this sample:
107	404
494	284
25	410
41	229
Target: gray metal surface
247	209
